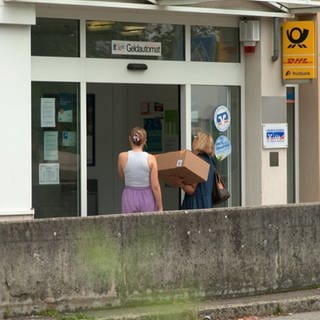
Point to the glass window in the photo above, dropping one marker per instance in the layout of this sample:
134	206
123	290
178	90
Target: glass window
216	110
55	149
215	44
55	37
108	39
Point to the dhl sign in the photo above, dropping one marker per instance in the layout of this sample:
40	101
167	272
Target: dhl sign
298	50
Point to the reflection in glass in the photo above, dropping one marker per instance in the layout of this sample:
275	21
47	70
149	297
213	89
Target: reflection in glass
55	38
215	44
100	35
55	149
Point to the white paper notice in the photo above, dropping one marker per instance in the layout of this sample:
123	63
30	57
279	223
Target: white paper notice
49	173
50	145
65	115
48	112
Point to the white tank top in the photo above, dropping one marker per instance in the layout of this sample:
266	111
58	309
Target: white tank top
136	171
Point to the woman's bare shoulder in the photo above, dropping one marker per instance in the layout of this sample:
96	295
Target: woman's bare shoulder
123	155
152	159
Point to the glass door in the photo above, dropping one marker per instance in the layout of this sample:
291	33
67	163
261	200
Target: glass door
55	149
216	110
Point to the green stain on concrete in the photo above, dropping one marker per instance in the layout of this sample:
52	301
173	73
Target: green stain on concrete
98	255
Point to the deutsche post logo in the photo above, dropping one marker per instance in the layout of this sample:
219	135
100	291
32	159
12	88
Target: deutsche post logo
297	36
298	46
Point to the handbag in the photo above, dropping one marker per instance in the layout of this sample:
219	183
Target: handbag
219	191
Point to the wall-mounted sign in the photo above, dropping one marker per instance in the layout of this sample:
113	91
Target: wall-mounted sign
222	118
275	135
137	48
299	50
222	147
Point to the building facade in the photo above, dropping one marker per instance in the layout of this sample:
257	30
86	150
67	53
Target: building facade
77	75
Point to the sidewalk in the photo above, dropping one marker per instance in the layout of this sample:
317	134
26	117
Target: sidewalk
245	308
226	309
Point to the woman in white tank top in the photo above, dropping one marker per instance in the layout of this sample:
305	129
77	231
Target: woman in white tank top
138	169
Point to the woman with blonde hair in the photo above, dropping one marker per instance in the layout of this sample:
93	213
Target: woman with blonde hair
199	195
138	169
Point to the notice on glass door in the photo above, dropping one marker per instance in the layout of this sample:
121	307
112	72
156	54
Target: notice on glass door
65	108
69	138
48	119
50	145
49	173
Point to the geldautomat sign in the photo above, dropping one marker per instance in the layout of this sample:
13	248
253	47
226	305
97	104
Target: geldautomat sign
138	48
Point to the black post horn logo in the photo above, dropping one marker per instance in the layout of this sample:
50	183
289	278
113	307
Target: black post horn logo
297	41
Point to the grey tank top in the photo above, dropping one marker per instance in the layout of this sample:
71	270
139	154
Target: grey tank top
136	171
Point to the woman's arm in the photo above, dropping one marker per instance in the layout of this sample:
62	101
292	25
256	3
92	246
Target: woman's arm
179	182
155	185
122	160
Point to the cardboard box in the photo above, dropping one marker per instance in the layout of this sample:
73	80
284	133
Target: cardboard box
183	164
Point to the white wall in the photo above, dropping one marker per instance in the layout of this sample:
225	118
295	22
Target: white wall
15	110
265	184
273	179
253	134
15	120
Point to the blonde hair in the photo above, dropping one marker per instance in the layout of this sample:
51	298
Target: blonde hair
138	136
203	143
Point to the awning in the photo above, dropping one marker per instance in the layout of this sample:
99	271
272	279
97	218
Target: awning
249	8
292	6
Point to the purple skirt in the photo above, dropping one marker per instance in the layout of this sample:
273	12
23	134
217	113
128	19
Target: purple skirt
138	199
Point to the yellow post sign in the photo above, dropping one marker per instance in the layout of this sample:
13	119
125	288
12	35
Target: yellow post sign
298	50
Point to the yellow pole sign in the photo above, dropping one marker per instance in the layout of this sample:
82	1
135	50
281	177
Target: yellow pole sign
298	50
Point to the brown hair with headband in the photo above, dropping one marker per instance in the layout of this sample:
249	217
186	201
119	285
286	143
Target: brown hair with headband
138	136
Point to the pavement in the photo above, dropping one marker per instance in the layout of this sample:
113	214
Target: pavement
296	305
313	315
259	307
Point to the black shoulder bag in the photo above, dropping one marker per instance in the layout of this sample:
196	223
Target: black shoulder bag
219	192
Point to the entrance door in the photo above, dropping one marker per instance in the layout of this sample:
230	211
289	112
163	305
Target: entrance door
112	110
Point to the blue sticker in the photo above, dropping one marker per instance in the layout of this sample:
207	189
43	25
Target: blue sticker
222	147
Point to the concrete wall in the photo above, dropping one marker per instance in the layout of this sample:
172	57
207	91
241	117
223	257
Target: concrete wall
73	263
